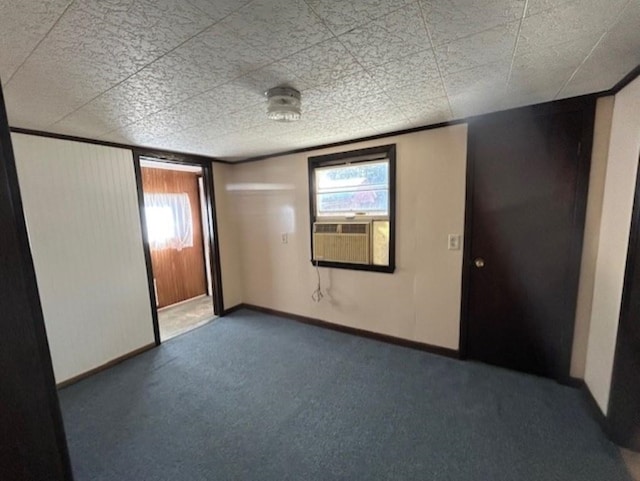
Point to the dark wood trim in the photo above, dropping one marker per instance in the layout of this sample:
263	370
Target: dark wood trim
105	366
35	445
214	245
389	152
357	267
231	310
467	251
630	77
153	302
626	80
412	130
349	142
421	346
146	150
587	105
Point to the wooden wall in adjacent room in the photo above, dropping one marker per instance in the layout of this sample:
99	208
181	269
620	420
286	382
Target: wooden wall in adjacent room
179	275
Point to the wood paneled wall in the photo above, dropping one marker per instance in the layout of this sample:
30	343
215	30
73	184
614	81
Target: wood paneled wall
81	205
179	274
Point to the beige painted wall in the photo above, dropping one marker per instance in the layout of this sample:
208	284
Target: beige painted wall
600	150
230	258
420	301
81	207
624	148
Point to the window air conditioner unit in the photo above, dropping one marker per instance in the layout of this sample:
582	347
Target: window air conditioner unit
342	242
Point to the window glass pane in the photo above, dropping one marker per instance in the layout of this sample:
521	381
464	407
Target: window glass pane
370	202
160	224
359	176
381	242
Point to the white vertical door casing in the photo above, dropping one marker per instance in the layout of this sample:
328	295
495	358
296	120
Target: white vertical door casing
81	207
615	226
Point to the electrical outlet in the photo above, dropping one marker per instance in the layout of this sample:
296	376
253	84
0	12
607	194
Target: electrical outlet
285	238
454	242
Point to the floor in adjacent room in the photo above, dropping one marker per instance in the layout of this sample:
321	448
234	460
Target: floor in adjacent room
257	397
185	316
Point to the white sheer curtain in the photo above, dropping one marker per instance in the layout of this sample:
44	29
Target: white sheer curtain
169	221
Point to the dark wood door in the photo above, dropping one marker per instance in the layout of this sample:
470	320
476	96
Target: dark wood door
525	235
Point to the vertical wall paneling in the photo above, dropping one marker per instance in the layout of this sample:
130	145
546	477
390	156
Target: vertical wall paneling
80	203
179	274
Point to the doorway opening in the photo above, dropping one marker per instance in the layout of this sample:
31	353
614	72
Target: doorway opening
176	215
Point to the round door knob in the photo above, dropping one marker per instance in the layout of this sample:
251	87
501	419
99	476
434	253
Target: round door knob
479	262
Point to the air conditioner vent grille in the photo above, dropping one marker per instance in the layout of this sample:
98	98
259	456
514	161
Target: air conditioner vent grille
355	228
326	228
342	242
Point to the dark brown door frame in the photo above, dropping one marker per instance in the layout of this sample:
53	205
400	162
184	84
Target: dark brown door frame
586	104
212	226
34	446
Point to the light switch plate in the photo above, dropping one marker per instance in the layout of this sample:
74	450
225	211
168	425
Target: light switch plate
454	242
285	238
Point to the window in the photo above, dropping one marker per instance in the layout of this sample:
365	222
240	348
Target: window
169	221
352	209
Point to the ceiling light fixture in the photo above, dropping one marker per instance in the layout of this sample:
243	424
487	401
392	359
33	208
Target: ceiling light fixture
283	104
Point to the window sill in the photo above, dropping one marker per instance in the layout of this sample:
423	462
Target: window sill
355	267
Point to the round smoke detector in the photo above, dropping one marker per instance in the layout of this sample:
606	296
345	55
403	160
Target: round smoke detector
283	104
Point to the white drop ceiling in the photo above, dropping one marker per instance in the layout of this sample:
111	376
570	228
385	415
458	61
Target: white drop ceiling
190	76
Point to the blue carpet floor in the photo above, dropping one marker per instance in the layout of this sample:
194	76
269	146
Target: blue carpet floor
256	397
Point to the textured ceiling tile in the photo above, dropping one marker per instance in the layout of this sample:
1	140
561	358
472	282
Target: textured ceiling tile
344	16
194	112
428	110
489	76
419	92
393	120
476	102
568	54
22	26
527	94
398	34
547	69
490	46
218	9
408	70
35	101
212	58
453	19
535	7
343	95
278	27
94	46
430	118
571	20
615	56
205	94
322	63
